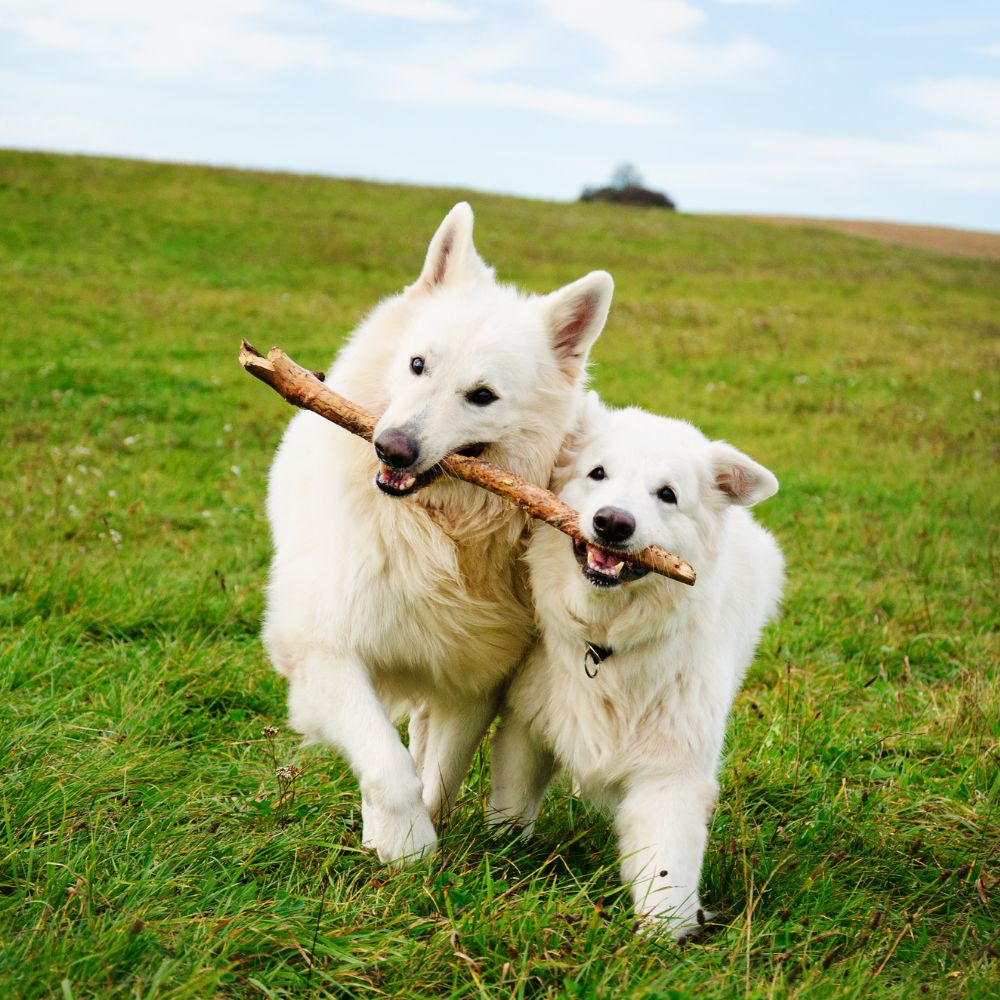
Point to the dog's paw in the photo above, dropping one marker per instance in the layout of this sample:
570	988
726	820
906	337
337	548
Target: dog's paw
503	824
681	925
399	838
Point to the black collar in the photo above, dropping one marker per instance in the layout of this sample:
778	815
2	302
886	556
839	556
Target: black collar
597	654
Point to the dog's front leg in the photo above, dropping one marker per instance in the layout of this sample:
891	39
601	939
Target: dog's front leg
451	731
331	700
662	830
521	769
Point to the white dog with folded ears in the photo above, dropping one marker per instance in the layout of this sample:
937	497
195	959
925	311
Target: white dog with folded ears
630	683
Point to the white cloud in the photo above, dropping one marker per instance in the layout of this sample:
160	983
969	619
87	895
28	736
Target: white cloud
225	40
968	98
46	130
947	29
959	159
993	51
648	42
455	86
759	3
410	10
814	173
492	75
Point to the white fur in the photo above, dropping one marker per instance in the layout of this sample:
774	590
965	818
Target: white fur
644	737
380	606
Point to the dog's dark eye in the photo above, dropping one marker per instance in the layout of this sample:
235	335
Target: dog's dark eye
597	472
667	495
417	365
481	396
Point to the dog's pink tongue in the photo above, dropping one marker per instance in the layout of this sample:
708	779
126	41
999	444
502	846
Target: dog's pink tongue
604	561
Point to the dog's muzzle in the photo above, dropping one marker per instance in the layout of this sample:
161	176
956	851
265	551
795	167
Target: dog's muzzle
399	452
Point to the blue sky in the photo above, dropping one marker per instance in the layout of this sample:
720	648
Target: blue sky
883	109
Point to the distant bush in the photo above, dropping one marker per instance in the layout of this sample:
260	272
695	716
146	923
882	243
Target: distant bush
626	188
628	196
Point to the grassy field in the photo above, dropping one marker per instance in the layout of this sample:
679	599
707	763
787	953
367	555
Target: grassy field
150	850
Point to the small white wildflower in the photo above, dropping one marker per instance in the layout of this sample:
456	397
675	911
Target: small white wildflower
710	387
801	379
227	428
235	470
206	513
74	511
977	395
116	536
112	493
82	469
130	440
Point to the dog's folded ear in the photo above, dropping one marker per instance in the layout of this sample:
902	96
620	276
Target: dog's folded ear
737	478
575	316
451	256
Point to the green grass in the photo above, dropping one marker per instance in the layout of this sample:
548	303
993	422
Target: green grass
148	849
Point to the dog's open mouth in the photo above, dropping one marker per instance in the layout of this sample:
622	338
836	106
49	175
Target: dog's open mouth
606	568
400	483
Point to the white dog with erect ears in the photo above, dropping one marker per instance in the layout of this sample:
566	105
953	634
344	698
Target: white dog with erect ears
630	683
397	591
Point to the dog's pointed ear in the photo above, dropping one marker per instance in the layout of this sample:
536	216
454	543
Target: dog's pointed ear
593	409
587	417
737	478
587	420
451	256
575	316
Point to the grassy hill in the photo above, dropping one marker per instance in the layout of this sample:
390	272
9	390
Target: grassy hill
149	849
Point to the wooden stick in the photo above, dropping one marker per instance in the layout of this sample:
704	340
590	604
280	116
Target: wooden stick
303	388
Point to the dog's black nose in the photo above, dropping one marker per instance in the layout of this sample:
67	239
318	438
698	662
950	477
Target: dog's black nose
396	448
613	525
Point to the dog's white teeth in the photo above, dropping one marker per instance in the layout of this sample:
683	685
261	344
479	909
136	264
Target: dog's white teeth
602	562
397	480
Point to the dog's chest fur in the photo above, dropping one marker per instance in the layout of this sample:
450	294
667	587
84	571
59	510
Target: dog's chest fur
644	706
404	587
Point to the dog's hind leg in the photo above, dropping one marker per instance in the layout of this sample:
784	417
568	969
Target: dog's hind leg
417	732
521	769
331	700
453	731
